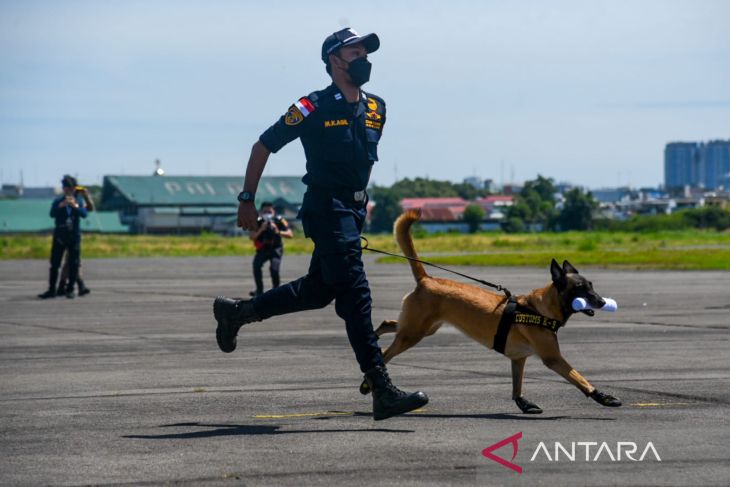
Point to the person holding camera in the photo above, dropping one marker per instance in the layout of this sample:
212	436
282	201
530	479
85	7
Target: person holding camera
62	284
267	238
67	211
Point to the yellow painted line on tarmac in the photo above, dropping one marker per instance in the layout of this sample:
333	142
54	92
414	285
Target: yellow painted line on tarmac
317	414
302	415
658	404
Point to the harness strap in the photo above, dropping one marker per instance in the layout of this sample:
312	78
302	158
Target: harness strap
505	324
516	313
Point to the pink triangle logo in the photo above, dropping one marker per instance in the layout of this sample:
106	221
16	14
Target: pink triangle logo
487	452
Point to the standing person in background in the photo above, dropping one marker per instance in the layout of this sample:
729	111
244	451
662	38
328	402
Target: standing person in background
83	290
67	212
269	245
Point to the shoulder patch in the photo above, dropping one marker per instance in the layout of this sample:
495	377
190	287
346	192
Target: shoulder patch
372	104
300	110
293	116
374	109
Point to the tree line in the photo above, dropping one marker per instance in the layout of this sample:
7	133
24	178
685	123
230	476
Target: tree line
535	209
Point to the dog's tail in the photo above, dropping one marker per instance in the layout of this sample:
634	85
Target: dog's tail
402	231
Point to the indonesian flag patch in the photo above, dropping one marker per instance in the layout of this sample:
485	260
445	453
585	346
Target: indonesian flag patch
298	111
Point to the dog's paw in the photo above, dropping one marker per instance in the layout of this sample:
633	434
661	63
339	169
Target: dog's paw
527	407
364	388
605	399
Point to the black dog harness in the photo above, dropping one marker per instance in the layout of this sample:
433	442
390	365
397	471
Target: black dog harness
517	314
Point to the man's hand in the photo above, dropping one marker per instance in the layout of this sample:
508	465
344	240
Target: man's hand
247	215
71	201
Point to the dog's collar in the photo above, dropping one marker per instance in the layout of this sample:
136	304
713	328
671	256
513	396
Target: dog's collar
515	313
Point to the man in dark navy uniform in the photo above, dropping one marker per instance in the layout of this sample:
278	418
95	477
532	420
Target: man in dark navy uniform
339	128
267	238
67	211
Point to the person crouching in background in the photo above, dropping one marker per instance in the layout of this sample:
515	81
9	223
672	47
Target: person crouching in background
269	245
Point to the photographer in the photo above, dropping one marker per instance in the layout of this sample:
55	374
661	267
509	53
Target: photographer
66	210
88	203
269	245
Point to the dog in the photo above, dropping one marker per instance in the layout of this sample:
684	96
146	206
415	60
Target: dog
477	312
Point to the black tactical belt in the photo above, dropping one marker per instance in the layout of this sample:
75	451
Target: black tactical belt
342	194
517	314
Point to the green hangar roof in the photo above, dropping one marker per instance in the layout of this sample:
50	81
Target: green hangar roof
32	215
121	192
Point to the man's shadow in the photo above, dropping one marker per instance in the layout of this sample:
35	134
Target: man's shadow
247	430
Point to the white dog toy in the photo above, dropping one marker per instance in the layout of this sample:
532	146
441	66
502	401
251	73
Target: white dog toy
581	303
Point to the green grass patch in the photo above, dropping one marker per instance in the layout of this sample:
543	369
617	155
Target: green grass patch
679	249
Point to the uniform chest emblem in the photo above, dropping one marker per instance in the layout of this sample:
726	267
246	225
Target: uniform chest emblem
336	123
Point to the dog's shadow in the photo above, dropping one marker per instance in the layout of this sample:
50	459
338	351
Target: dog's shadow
510	416
215	430
498	416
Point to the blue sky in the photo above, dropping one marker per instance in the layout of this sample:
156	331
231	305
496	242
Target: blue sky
588	92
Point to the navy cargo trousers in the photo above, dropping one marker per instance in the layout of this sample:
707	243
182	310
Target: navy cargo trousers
336	272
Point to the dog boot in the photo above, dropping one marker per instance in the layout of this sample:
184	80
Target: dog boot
388	400
231	315
527	407
604	399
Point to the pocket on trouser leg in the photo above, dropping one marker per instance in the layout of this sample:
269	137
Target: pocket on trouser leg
336	268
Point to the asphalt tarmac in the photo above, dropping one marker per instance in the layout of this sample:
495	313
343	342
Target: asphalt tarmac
127	386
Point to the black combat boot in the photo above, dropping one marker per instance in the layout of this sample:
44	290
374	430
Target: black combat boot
51	293
52	278
231	315
83	290
388	400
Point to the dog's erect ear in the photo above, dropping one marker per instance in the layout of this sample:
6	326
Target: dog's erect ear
568	268
556	271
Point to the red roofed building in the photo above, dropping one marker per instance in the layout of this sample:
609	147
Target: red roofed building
419	203
436	209
446	214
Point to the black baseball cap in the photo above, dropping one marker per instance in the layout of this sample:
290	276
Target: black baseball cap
347	37
68	181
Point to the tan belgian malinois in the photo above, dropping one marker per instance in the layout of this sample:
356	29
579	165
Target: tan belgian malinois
531	327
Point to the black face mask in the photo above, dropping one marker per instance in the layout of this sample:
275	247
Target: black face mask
359	71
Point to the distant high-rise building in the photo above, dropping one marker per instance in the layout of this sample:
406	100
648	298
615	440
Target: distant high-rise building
715	157
681	164
696	164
